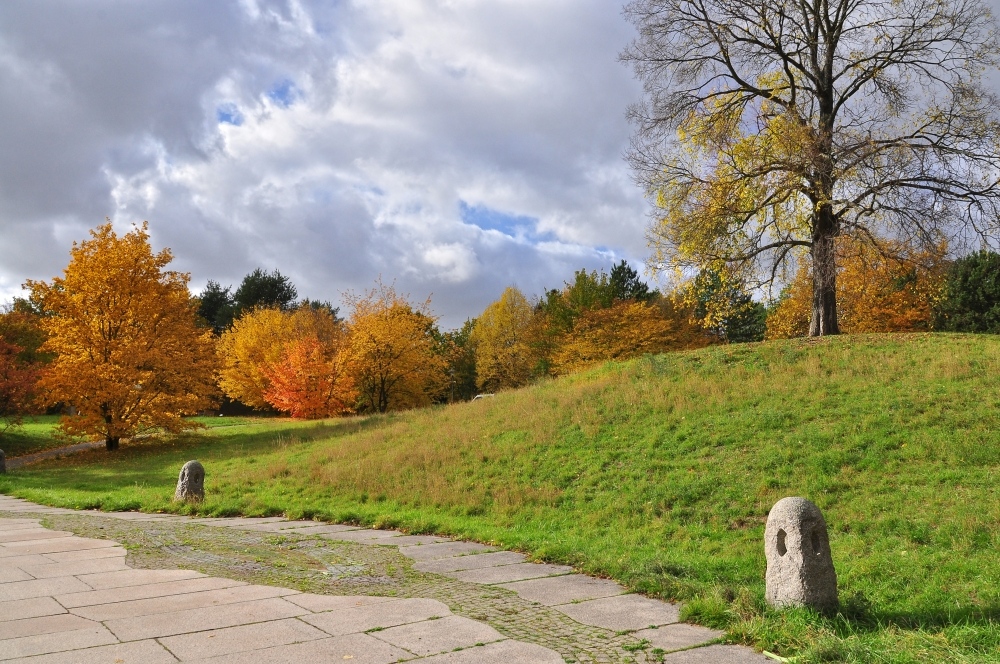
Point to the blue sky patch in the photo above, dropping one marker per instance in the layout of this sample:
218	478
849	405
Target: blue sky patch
283	93
229	114
494	220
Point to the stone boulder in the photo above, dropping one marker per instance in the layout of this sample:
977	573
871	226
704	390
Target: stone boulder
191	483
799	565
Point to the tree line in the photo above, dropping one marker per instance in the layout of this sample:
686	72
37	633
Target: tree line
121	346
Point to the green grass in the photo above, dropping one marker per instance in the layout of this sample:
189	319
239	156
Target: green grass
33	435
660	473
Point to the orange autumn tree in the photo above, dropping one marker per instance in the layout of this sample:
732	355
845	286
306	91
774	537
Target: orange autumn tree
877	292
394	355
628	328
129	357
293	361
17	384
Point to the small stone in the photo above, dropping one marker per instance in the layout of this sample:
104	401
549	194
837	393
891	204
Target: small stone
799	565
3	463
191	483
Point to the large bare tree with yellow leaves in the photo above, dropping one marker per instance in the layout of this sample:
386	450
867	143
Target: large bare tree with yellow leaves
129	357
770	128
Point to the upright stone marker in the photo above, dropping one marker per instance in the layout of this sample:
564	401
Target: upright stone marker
799	566
3	463
191	483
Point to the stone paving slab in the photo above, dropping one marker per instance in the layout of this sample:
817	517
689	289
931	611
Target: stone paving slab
40	588
60	642
504	652
149	591
87	554
361	535
8	574
216	642
458	563
622	612
64	622
444	550
92	566
677	636
27	534
556	590
29	608
509	573
717	655
196	620
56	545
138	652
135	577
179	602
431	637
384	615
323	603
355	648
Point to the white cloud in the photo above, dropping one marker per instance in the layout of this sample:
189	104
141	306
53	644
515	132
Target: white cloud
351	135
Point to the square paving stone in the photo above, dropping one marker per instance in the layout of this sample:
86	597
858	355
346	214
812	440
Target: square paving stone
478	561
321	603
244	638
89	554
355	648
319	529
76	567
677	636
622	612
196	620
117	595
564	589
388	614
136	577
718	655
443	550
504	652
435	636
64	622
174	603
508	573
40	588
28	559
62	641
29	608
138	652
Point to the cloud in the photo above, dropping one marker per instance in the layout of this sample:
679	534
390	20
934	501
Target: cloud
454	146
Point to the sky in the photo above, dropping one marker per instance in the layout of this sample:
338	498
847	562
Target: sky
453	147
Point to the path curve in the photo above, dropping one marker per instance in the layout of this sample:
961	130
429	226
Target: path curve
72	599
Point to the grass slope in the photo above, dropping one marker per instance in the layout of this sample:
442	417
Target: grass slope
660	473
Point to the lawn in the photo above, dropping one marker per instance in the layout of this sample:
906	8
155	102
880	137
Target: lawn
659	473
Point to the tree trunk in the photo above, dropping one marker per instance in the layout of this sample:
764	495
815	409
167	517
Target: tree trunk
824	309
111	443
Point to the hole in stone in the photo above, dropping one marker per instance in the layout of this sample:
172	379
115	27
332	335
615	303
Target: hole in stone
815	543
782	549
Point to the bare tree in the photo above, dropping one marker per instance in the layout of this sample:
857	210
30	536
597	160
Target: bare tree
769	128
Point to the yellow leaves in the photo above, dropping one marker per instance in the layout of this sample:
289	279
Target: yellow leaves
875	293
504	358
626	329
129	356
392	351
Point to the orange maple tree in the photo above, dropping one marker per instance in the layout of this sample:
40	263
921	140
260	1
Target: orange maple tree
888	290
129	357
17	384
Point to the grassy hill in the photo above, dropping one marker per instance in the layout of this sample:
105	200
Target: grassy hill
659	473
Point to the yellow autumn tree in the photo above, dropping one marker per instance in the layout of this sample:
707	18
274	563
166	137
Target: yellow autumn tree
624	330
501	338
129	357
258	346
394	356
878	292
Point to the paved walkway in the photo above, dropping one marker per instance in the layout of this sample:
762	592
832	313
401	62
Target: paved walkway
75	600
